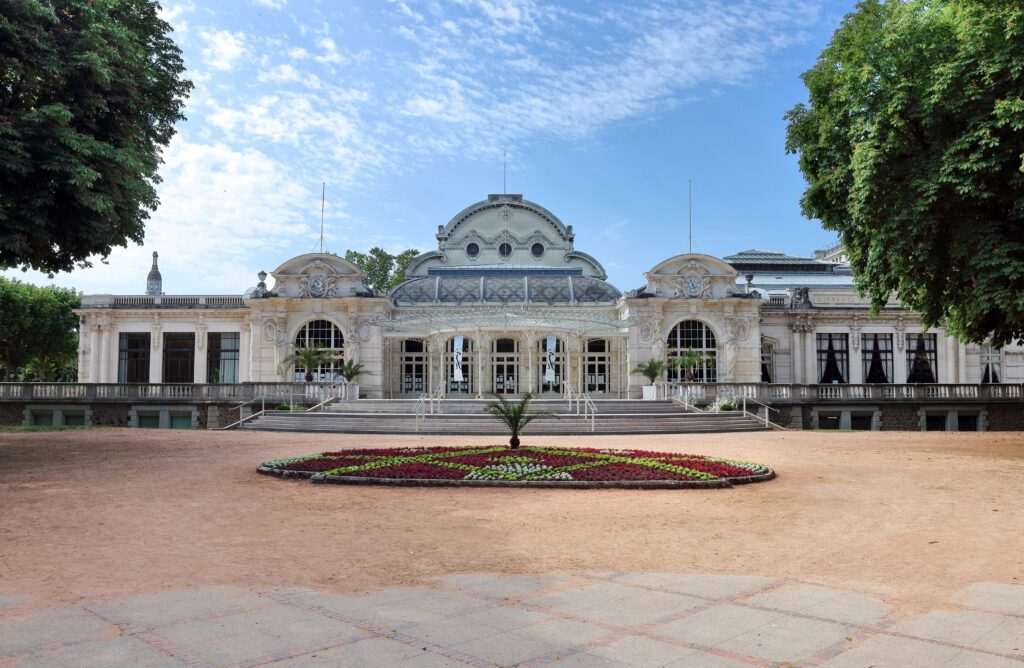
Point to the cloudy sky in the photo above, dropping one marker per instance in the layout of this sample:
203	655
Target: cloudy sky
605	109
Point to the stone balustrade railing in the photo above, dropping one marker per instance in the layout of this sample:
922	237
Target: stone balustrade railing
175	392
783	394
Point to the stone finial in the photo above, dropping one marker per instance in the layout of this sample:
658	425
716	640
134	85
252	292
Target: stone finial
154	282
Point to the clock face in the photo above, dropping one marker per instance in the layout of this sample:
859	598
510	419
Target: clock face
317	286
692	286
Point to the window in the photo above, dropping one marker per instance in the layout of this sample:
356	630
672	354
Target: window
414	366
833	358
323	334
472	250
222	357
876	357
132	357
505	250
767	362
537	250
991	358
922	361
179	357
694	335
596	366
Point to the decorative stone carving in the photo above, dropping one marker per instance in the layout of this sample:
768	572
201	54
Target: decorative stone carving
801	298
318	286
201	337
269	329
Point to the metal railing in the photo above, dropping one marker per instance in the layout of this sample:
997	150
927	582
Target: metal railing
767	422
581	404
261	411
770	393
428	401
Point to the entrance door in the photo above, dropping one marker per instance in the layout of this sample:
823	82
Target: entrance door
596	367
505	363
414	367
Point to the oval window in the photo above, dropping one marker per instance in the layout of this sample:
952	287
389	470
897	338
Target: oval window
472	250
505	250
537	250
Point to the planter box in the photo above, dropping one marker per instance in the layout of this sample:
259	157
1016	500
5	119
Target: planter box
650	392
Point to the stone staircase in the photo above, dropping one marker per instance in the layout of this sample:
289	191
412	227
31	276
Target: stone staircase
467	416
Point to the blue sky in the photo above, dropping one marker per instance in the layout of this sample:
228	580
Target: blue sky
404	108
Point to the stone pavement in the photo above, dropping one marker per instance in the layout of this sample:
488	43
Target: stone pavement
588	619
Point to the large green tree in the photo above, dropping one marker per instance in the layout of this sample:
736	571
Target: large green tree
912	145
38	331
384	271
89	94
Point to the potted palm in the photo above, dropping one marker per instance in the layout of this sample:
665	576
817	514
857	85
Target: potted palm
688	361
514	415
350	370
652	370
308	357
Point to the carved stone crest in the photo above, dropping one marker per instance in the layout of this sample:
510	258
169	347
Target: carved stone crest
317	286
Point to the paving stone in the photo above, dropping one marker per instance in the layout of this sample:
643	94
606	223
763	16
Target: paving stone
968	659
121	651
9	601
368	653
452	631
509	619
709	585
965	627
1007	638
586	660
507	649
503	585
574	601
641	652
789	639
993	596
430	660
640	609
705	660
716	624
170	607
884	651
244	647
823	602
558	630
53	627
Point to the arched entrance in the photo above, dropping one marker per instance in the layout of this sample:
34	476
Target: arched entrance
326	335
505	366
694	335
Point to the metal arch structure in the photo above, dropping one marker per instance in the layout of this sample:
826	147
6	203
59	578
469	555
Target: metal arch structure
577	321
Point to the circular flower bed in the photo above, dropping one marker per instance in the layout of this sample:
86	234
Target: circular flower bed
523	467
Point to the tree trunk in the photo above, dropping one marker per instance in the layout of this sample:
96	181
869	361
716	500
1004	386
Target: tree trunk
514	442
309	377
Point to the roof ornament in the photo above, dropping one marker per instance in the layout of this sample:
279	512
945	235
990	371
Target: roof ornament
154	281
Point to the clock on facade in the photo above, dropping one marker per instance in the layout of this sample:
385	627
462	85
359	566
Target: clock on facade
692	285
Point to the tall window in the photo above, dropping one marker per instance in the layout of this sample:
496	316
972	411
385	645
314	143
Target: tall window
991	358
833	358
132	357
326	335
179	357
596	366
922	358
414	366
694	335
767	362
222	357
876	357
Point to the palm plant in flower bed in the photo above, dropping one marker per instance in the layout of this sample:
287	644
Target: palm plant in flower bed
498	463
513	415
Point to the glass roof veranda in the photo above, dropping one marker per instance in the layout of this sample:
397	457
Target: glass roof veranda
434	322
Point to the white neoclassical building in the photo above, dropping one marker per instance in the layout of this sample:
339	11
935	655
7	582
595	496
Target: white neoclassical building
506	303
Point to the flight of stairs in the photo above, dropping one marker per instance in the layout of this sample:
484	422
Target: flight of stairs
467	416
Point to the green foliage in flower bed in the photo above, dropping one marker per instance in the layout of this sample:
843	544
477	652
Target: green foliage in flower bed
576	467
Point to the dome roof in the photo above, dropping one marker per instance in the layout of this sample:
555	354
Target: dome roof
504	287
154	272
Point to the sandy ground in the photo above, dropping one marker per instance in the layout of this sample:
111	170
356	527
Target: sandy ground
909	517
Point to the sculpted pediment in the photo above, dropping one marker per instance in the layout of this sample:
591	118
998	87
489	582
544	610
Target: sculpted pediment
318	276
692	276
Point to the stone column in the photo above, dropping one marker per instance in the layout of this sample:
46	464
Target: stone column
796	356
483	365
102	376
950	372
199	365
156	354
811	356
244	352
962	363
529	340
94	353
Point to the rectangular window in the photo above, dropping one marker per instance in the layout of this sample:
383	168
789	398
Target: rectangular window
991	367
876	356
922	359
222	357
133	357
833	358
179	357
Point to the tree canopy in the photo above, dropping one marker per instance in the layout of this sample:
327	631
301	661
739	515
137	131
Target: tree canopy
38	331
90	91
384	271
912	144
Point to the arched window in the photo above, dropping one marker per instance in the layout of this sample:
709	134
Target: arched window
414	366
694	335
323	334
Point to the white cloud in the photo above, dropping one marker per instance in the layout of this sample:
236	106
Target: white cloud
329	52
223	49
288	74
270	4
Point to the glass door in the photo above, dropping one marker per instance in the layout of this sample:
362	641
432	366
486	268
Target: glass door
505	363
